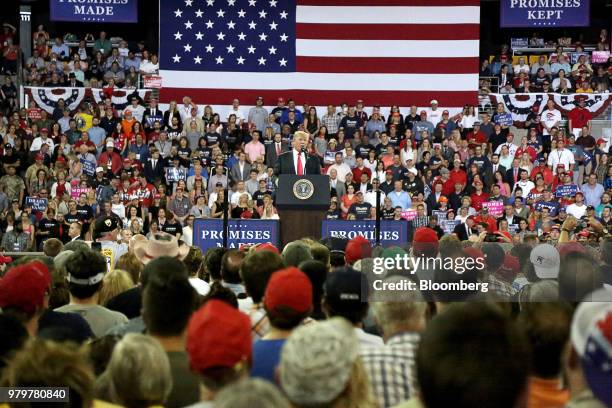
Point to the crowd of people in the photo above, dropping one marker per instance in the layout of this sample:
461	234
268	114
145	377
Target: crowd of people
166	325
160	170
105	64
568	69
124	310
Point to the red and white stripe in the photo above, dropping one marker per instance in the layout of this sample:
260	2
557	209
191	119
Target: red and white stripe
386	52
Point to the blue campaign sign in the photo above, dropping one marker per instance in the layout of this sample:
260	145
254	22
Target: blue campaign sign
110	11
391	232
208	233
569	190
89	168
544	13
36	203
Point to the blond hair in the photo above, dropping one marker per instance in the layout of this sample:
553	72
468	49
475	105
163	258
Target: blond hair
115	282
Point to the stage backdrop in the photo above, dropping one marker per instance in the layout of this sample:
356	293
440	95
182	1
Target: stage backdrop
318	52
392	232
123	11
208	233
544	13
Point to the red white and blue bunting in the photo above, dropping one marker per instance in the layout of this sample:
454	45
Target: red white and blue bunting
47	98
520	105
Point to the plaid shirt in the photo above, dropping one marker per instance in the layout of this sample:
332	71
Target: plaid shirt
391	368
331	122
260	325
500	288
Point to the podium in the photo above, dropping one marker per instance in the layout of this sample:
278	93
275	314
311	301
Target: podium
301	202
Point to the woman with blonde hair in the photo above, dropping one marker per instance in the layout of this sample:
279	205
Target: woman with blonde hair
129	263
115	282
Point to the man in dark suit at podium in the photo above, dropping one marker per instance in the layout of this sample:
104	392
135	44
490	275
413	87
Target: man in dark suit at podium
297	161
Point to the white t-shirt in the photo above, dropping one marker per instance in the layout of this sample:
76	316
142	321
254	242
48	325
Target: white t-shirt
434	116
577	211
550	118
238	113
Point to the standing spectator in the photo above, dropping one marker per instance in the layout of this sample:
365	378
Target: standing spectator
391	367
220	327
85	271
255	149
13	185
344	297
287	301
546	326
168	284
102	45
579	117
471	326
258	115
320	366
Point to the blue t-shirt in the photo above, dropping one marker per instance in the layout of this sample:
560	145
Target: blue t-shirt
266	356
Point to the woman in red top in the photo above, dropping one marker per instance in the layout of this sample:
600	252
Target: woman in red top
61	186
137	130
347	200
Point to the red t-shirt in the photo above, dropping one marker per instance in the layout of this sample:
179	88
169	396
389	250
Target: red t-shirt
579	117
477	200
458	176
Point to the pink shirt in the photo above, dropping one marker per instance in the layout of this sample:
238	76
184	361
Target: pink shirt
254	149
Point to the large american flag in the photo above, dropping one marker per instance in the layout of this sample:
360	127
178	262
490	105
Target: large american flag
385	52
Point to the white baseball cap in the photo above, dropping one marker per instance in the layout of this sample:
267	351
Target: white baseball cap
433	101
546	260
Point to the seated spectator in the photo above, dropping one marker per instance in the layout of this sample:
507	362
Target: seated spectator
344	298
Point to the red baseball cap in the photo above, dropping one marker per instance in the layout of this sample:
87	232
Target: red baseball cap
445	112
218	335
425	240
423	113
44	130
40	156
267	247
288	288
601	140
356	249
24	287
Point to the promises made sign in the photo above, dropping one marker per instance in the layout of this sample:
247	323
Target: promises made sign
108	11
544	13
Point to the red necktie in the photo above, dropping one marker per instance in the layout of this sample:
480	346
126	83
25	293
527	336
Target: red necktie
300	167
